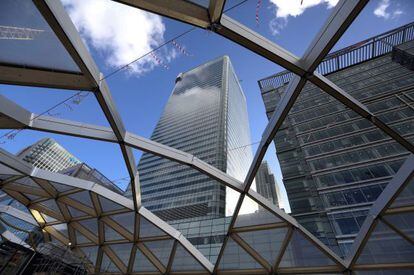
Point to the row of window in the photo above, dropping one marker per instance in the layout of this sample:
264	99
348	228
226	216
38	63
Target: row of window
352	196
359	174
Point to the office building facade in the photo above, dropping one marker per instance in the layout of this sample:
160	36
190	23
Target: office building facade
206	115
334	163
47	154
266	184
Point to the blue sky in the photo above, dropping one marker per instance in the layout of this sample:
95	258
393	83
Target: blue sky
115	37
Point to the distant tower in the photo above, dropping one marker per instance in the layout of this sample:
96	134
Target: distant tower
206	115
49	155
266	184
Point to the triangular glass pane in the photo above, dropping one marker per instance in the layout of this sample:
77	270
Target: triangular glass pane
82	197
252	214
51	204
406	197
183	261
19	16
47	218
107	265
111	235
31	197
80	238
28	182
75	212
108	205
161	249
302	253
147	229
126	220
142	264
61	228
266	242
61	187
235	257
90	252
123	251
90	224
386	246
403	222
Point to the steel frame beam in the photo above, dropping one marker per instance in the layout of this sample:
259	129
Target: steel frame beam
90	79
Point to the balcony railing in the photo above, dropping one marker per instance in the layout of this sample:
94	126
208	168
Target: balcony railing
351	55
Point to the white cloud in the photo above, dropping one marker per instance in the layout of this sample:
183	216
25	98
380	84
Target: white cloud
286	8
118	32
383	11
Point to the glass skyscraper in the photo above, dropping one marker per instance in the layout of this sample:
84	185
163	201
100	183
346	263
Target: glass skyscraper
266	184
334	163
49	155
206	115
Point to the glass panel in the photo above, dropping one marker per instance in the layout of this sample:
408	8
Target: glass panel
161	249
80	238
31	197
75	212
111	235
82	197
31	39
107	265
235	257
61	228
406	197
183	261
404	222
386	246
90	253
28	182
51	204
302	253
266	242
142	264
61	187
126	220
253	214
90	224
147	229
123	251
203	3
108	205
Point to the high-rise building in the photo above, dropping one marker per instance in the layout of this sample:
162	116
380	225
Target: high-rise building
334	163
206	115
47	154
266	184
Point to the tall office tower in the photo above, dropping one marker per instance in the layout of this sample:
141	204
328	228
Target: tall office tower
334	163
206	115
47	154
266	184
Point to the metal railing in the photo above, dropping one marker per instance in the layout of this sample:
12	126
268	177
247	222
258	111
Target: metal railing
351	55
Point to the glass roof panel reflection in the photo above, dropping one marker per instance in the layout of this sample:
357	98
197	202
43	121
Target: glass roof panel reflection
27	40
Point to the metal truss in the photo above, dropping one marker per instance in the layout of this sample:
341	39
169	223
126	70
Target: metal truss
34	187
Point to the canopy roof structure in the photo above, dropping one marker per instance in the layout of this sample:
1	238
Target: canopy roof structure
100	224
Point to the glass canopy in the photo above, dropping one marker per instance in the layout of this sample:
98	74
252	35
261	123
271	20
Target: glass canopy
119	235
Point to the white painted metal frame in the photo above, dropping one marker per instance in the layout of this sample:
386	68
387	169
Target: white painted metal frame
15	117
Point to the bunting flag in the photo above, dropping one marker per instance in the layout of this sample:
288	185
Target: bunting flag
259	3
180	48
53	114
68	107
159	61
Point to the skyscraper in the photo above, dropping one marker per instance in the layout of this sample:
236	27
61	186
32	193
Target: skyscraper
206	115
266	184
334	163
47	154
